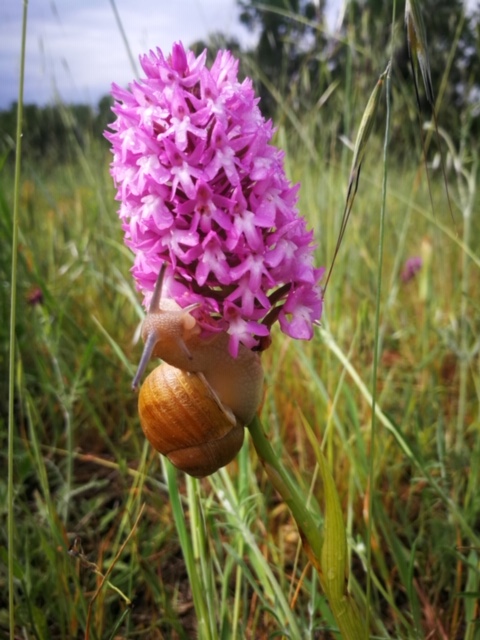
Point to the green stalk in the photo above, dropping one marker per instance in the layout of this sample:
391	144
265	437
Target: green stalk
272	590
464	349
376	345
124	38
237	600
200	549
310	533
204	630
242	492
13	308
322	551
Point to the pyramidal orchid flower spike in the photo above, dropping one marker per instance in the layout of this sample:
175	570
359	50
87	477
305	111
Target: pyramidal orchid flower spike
202	189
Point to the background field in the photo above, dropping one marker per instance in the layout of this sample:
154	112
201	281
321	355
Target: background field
86	483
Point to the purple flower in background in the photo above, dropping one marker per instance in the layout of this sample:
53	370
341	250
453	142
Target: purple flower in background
411	267
202	189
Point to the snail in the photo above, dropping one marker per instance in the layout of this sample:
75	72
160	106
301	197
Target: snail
194	407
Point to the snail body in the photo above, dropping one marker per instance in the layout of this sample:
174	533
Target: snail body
193	408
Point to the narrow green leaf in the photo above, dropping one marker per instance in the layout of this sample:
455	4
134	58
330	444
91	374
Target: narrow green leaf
471	594
199	601
334	554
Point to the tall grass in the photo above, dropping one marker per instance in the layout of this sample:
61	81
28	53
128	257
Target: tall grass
112	542
12	331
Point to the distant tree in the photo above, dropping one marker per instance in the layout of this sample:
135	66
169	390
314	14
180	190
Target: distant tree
54	133
290	44
104	116
299	59
446	24
450	32
214	43
8	119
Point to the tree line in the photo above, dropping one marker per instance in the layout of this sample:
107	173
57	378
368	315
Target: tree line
54	133
302	66
315	68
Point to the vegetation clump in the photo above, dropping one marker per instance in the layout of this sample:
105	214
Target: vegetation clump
389	400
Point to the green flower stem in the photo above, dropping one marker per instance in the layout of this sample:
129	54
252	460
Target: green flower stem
310	532
204	630
318	551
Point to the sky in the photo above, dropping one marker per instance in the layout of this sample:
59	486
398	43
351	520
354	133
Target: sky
75	49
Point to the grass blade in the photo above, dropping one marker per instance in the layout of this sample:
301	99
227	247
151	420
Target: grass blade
124	38
418	53
364	132
417	48
13	320
204	630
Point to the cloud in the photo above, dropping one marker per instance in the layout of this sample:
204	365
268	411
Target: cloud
75	50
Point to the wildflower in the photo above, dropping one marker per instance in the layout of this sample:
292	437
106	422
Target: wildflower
411	268
202	188
35	296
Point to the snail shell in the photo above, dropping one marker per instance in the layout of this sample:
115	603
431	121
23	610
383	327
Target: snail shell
183	419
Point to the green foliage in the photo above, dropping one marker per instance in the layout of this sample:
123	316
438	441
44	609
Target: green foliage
82	469
91	497
52	134
451	36
300	63
286	56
